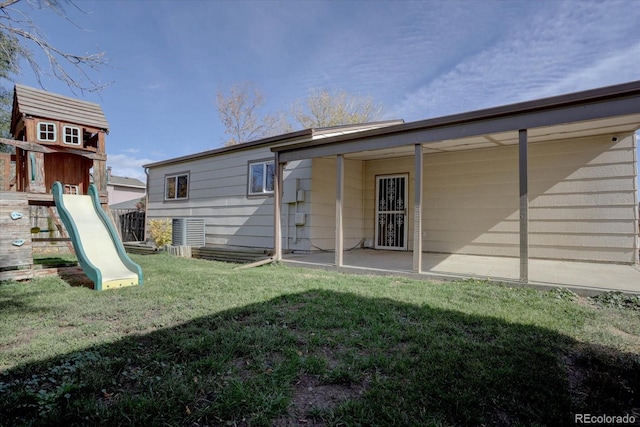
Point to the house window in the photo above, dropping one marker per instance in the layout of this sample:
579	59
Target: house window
261	176
71	135
46	131
176	187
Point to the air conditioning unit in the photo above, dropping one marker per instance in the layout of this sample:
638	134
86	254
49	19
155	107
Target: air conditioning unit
187	232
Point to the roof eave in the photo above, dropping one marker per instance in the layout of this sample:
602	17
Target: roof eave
591	96
237	147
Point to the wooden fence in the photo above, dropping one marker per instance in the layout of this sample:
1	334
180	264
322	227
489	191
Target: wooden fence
130	224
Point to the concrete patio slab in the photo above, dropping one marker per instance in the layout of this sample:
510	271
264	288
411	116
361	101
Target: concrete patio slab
582	277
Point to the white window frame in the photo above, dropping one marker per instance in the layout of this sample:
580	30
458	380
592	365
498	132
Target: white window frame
40	132
71	189
64	135
177	177
264	190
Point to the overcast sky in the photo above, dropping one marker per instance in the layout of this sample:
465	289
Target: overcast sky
418	59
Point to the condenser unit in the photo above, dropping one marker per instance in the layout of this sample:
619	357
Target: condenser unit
187	232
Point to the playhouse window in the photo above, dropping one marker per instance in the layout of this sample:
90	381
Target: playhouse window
46	131
71	135
176	187
71	189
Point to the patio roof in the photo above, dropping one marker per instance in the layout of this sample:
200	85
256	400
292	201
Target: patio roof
608	110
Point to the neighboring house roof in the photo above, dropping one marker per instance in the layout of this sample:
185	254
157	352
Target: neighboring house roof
129	204
122	181
287	138
39	103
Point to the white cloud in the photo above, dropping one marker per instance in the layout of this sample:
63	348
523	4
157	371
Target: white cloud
612	69
128	166
562	48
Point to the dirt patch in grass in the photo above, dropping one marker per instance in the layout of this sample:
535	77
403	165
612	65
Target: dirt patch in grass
601	380
311	395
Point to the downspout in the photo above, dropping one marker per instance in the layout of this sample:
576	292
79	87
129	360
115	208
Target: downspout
286	227
363	185
634	140
146	204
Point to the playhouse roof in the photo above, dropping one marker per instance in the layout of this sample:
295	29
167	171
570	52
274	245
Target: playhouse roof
39	103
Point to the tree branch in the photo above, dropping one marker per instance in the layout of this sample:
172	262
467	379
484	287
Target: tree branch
20	32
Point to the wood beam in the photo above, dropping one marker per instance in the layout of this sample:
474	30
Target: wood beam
417	209
339	197
52	148
524	205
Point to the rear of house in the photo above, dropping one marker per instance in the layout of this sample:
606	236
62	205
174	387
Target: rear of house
231	190
582	198
551	179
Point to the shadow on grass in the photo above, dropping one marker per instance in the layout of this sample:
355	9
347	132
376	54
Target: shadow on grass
46	262
327	358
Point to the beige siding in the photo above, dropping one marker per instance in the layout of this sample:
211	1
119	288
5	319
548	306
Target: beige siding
583	195
323	199
294	236
582	200
218	193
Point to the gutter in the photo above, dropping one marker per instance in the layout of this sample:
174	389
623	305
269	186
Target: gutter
527	107
237	147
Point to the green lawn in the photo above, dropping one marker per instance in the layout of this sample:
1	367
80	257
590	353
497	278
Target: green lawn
203	344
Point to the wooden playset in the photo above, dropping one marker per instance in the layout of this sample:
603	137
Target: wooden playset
57	139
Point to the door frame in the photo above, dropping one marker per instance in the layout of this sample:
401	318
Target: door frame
404	211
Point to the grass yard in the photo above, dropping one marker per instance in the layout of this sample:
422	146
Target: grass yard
203	344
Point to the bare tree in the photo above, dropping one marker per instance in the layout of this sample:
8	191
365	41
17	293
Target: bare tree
19	34
323	109
239	112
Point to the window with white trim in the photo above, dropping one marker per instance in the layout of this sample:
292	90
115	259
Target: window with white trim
176	187
71	189
71	135
46	131
261	176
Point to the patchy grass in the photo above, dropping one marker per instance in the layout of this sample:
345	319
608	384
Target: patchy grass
203	344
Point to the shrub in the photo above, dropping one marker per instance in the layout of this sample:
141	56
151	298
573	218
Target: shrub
617	299
160	231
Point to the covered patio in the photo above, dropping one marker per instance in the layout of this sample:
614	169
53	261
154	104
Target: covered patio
583	278
553	182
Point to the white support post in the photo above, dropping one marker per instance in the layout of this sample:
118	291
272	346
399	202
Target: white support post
524	205
417	210
339	198
277	205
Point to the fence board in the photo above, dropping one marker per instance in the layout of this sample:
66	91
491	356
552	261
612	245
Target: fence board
131	224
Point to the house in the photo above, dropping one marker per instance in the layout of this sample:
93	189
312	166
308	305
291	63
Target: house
123	189
553	179
231	188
